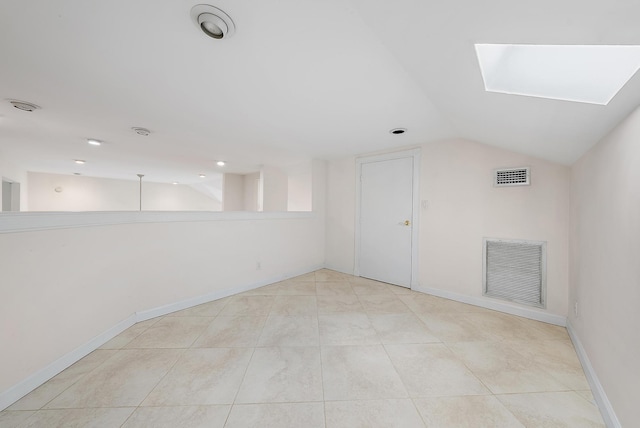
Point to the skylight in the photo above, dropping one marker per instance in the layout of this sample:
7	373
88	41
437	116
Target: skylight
582	73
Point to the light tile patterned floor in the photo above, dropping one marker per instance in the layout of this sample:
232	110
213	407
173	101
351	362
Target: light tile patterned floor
322	350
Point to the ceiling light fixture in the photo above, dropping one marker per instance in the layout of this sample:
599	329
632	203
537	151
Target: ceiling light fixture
141	131
23	105
175	182
221	163
398	131
79	161
212	21
202	176
93	142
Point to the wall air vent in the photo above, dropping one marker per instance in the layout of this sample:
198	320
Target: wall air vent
512	177
515	270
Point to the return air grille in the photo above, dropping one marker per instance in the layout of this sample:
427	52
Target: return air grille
512	177
515	271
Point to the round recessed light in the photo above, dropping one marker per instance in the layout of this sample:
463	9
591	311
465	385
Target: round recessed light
212	21
201	175
398	131
80	161
23	105
221	163
141	131
212	25
175	182
93	142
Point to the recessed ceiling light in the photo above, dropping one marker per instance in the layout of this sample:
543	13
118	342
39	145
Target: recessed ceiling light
581	73
398	131
212	21
24	105
141	131
93	142
221	163
79	161
175	182
202	176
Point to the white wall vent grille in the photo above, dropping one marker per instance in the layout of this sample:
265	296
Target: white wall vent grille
512	177
515	270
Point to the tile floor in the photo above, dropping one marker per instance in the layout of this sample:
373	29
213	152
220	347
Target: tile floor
322	350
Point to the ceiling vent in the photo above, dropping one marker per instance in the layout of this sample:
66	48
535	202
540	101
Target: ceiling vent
515	270
141	131
398	131
512	177
23	105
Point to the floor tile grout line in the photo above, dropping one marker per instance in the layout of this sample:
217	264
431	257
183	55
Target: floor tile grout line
156	319
128	417
182	352
395	369
473	373
502	393
235	397
203	331
77	380
509	410
324	403
246	369
424	421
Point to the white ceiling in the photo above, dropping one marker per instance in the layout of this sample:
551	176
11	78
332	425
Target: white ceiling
300	79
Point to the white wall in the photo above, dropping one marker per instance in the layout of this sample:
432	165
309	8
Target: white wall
299	188
15	173
281	191
251	185
464	207
274	189
233	192
341	211
80	193
605	263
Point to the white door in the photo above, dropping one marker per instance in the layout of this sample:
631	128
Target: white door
386	214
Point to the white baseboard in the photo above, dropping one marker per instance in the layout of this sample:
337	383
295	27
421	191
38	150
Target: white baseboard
606	409
496	306
21	389
24	387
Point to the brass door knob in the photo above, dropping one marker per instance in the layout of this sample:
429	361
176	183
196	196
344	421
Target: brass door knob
407	223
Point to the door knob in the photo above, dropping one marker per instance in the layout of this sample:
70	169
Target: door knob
407	223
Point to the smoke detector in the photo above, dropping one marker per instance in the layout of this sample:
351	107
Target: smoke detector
23	105
141	131
212	21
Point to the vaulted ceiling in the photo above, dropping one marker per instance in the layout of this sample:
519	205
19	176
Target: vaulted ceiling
299	79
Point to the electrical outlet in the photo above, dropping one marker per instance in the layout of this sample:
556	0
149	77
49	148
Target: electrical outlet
575	308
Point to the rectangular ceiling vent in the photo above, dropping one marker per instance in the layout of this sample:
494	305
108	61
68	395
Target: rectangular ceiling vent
512	177
515	270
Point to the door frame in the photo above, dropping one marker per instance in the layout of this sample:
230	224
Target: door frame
414	154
